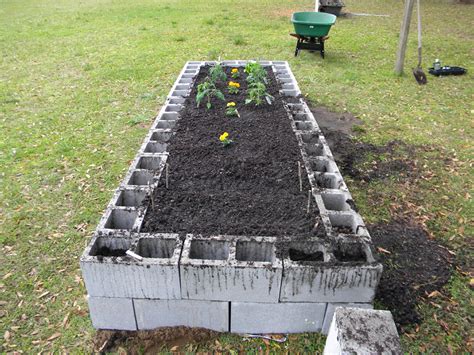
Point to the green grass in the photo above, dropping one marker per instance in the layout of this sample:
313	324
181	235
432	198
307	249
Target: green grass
80	82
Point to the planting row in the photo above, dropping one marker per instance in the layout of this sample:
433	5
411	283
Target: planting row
229	268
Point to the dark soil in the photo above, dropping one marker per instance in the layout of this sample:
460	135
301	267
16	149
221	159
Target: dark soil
149	342
416	264
247	188
413	267
364	161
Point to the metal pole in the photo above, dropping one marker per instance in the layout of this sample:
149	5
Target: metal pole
316	6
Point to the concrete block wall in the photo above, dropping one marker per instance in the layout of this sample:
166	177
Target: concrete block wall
227	283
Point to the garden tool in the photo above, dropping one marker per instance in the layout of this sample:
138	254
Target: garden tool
419	74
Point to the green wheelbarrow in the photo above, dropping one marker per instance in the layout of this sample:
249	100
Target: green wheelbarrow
311	30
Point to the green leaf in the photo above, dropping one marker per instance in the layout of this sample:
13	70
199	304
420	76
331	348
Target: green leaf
219	95
208	105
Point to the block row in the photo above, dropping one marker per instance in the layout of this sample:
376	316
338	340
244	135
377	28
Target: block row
235	317
335	203
229	268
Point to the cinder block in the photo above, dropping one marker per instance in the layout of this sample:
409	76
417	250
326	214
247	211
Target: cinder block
276	317
332	307
230	269
156	276
362	331
190	313
112	313
342	273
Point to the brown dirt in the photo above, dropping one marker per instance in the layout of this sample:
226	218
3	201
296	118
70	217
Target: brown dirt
150	342
414	266
247	188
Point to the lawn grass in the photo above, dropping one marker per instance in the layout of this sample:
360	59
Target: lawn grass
80	82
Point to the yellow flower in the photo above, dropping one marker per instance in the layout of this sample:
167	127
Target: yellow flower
234	84
223	136
230	104
234	70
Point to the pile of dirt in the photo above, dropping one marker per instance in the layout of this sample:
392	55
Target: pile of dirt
250	187
149	342
364	161
414	266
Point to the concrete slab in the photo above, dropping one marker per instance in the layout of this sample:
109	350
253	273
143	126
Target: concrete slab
362	331
332	308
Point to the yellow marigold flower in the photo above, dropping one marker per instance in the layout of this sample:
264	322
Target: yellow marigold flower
223	136
230	104
234	84
234	70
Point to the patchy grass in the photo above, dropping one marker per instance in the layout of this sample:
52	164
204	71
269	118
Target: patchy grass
78	80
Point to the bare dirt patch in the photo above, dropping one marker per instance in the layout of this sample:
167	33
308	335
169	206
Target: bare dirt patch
150	342
414	267
365	161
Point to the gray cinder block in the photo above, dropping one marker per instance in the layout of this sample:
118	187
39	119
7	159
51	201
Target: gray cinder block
344	272
276	317
191	313
155	276
230	269
362	331
332	307
112	313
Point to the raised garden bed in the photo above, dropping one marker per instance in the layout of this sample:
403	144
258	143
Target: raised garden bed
205	233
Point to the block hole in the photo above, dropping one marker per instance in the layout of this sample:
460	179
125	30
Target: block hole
254	251
314	150
343	223
328	180
300	117
304	255
161	137
156	147
303	126
335	202
149	163
177	100
209	250
105	246
310	138
182	87
320	165
156	248
165	124
141	178
350	252
121	219
167	116
173	108
131	198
